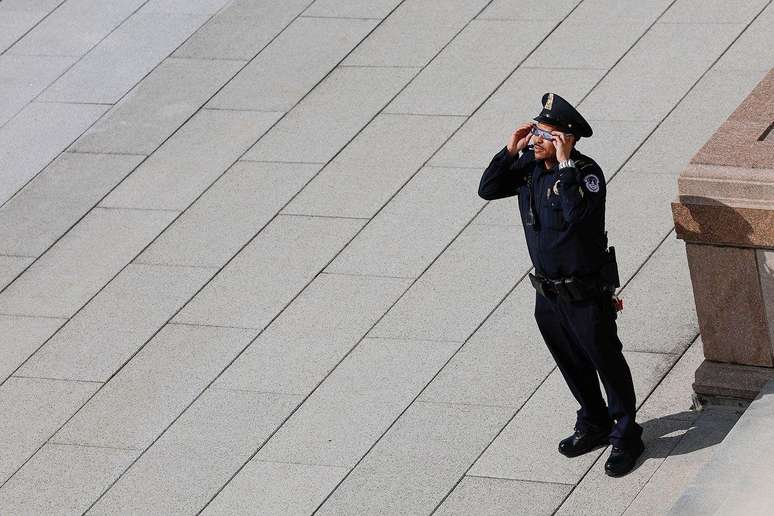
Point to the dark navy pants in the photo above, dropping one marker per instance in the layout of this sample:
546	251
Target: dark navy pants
582	337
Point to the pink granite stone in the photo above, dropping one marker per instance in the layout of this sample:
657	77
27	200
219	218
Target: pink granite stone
729	304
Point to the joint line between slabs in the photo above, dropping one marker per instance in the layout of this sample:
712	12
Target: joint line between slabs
522	480
74	380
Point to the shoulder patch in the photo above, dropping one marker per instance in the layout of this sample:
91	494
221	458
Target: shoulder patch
592	183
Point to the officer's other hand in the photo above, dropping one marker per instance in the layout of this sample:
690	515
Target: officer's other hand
520	138
563	143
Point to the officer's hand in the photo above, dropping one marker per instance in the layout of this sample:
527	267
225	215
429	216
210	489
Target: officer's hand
520	138
563	142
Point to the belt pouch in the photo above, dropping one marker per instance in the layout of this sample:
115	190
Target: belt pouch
575	291
537	284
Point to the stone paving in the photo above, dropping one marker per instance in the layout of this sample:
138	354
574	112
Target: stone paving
244	267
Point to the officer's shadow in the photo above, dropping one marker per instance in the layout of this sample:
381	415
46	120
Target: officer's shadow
686	432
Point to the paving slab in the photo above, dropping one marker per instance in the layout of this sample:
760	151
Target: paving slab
628	135
600	49
327	119
46	6
161	103
62	479
517	100
418	460
360	399
20	337
19	16
198	454
139	44
12	266
744	490
373	166
414	33
101	337
527	10
500	496
668	80
694	450
486	262
154	387
693	121
191	160
257	284
75	27
184	6
241	29
233	210
526	448
749	52
57	198
310	337
74	269
35	136
351	8
33	409
292	64
636	233
673	398
22	78
660	298
502	363
504	212
713	11
620	9
424	216
486	49
276	488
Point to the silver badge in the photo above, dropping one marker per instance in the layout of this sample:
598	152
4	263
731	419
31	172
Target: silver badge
592	183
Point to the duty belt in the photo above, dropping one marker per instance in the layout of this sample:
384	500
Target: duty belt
569	289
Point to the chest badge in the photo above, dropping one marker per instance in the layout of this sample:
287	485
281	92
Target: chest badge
556	188
592	183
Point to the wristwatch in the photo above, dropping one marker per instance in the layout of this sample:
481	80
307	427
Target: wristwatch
566	163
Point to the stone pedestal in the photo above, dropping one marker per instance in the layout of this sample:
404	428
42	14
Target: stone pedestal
725	215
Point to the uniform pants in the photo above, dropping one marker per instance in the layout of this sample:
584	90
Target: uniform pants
582	337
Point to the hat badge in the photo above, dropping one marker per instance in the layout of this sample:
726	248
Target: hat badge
549	102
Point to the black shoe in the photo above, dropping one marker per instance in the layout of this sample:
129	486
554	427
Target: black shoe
622	460
582	441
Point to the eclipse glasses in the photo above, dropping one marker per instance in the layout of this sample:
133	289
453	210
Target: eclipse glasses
543	134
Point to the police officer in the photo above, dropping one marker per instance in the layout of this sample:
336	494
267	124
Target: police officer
561	195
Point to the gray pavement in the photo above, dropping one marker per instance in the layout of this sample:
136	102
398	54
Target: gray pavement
244	268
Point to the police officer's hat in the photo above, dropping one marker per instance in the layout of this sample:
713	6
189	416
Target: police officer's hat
559	112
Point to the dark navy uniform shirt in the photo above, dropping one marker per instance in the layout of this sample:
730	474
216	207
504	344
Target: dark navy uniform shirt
568	237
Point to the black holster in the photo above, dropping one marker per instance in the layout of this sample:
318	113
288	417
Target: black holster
608	274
